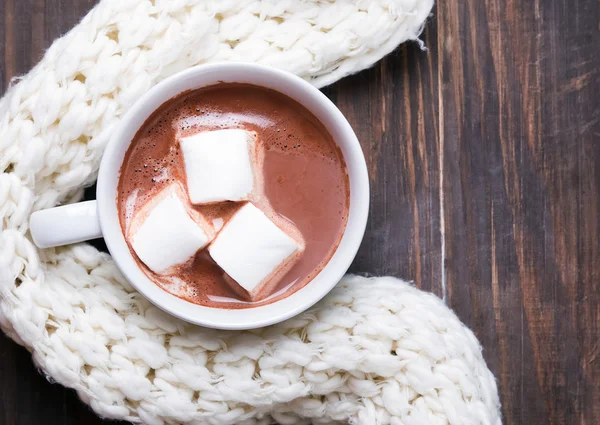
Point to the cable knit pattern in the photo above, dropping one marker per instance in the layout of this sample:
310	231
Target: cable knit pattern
375	351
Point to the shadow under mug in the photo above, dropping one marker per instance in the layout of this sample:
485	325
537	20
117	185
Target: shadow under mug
93	219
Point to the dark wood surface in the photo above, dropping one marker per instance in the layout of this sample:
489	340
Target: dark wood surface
484	156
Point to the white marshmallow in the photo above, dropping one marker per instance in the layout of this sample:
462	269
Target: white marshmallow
217	224
221	165
165	233
255	252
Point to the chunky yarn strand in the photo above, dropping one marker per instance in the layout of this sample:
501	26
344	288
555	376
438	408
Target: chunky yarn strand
375	351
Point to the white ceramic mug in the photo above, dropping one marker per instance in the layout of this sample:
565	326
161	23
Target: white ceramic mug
93	219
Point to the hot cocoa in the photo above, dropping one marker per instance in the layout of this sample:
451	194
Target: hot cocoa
302	184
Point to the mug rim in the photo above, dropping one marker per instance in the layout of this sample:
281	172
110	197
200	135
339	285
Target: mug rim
263	76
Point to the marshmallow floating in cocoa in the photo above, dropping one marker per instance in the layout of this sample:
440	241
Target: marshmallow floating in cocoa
166	233
255	252
221	165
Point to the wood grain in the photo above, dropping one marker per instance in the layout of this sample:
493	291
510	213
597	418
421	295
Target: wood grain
484	159
521	161
392	107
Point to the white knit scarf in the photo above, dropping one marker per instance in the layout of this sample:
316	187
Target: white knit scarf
376	351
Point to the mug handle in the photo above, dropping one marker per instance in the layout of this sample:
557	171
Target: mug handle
65	225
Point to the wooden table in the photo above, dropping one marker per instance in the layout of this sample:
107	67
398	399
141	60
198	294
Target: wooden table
484	156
